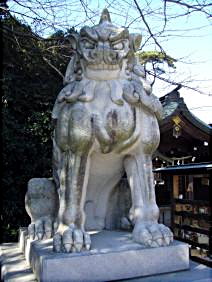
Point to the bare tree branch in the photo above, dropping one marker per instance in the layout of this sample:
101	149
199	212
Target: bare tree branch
153	19
50	64
147	25
177	83
194	8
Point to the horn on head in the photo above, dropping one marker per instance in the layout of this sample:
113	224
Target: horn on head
105	16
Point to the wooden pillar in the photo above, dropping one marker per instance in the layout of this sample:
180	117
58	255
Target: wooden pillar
175	186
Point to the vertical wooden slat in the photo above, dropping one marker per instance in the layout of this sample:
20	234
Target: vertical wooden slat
175	186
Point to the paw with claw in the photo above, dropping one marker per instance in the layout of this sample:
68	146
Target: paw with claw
42	204
152	234
71	240
41	229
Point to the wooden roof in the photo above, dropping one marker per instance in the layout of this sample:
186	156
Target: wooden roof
182	133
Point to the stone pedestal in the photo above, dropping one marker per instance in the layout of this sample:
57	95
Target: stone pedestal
113	256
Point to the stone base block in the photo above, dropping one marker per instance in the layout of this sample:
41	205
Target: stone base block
113	256
23	232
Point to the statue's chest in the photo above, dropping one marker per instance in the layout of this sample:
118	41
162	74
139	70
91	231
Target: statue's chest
112	112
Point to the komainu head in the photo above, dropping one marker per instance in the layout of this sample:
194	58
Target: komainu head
103	48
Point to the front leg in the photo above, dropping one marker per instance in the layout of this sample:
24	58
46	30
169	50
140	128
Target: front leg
72	145
71	236
144	212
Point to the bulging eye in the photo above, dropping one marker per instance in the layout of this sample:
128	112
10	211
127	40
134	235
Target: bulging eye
118	46
88	44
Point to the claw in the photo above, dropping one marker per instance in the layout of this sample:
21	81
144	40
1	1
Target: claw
167	234
67	247
154	244
78	239
67	240
171	236
48	234
167	240
145	236
159	242
142	235
71	240
87	247
40	235
149	243
55	226
156	232
39	229
78	247
57	242
87	240
48	229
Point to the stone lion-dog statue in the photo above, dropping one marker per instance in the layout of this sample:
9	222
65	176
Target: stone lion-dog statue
105	125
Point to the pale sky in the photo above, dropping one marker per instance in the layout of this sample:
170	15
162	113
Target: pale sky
191	43
197	52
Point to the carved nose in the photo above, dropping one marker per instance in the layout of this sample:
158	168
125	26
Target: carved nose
103	53
97	55
110	57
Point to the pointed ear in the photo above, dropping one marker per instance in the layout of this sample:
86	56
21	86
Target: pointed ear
73	39
135	41
70	69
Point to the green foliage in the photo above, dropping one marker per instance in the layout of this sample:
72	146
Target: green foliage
30	87
156	57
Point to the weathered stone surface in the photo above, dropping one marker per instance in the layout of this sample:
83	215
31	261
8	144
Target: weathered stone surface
23	233
15	269
196	273
106	125
113	256
41	203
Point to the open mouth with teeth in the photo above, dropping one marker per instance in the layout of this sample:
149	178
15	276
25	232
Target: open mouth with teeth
103	67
